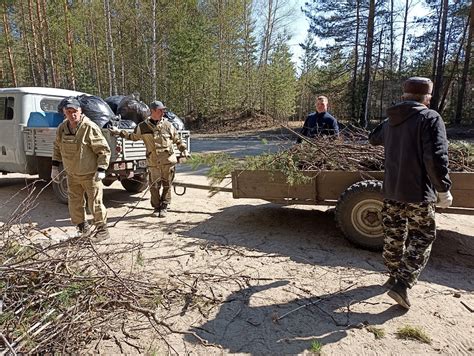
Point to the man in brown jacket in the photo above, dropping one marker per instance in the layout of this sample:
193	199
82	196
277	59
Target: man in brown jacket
159	137
84	153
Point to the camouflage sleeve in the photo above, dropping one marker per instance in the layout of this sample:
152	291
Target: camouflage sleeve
57	149
100	147
136	135
177	139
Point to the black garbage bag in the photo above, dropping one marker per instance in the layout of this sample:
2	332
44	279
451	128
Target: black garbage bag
175	120
121	124
114	101
93	107
96	109
132	109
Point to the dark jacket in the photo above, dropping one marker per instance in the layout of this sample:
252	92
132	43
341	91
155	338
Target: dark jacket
416	153
317	124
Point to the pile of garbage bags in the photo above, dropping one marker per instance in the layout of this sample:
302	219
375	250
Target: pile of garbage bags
122	111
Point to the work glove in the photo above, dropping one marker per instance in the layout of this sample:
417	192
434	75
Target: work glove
55	174
183	156
114	131
445	199
99	176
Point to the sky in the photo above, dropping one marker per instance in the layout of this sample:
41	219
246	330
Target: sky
300	27
299	30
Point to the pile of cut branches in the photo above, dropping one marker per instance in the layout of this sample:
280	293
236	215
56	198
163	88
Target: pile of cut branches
348	153
64	296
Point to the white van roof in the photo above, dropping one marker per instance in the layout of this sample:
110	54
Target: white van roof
41	90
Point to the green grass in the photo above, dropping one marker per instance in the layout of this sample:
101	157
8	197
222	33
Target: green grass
379	333
409	332
316	347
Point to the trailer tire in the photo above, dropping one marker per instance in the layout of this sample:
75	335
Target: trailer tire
359	214
136	184
60	189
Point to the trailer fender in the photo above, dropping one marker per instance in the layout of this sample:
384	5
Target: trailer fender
359	214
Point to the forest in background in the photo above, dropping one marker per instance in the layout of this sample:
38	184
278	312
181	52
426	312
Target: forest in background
203	57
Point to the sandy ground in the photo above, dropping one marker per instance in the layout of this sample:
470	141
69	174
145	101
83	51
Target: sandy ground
285	277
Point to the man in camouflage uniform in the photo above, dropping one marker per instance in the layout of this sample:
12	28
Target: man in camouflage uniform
159	137
84	154
416	178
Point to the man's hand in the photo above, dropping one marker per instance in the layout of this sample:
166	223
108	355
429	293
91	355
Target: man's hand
445	199
183	156
55	174
99	176
114	131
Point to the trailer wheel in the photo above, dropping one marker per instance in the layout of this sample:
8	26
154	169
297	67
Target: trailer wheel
60	189
359	214
136	184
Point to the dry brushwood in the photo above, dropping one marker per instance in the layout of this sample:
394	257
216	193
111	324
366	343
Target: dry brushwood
349	152
61	297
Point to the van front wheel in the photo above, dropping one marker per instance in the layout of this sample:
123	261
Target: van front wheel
60	189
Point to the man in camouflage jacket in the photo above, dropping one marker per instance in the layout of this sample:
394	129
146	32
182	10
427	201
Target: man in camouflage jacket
84	153
159	137
416	177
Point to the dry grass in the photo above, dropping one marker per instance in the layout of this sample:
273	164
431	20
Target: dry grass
409	332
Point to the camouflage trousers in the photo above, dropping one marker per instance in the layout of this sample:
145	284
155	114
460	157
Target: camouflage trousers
410	231
161	176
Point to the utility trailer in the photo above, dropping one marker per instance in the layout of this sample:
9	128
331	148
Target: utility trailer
357	197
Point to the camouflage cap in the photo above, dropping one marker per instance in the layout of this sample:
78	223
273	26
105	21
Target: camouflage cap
71	103
157	105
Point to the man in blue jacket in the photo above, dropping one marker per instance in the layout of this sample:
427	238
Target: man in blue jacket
320	123
416	178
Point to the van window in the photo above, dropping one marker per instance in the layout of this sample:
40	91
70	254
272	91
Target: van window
49	105
6	108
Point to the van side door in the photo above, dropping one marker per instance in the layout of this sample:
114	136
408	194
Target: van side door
9	133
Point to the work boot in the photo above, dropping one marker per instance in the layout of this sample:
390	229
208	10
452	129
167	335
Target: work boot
101	234
390	282
399	293
83	229
163	210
